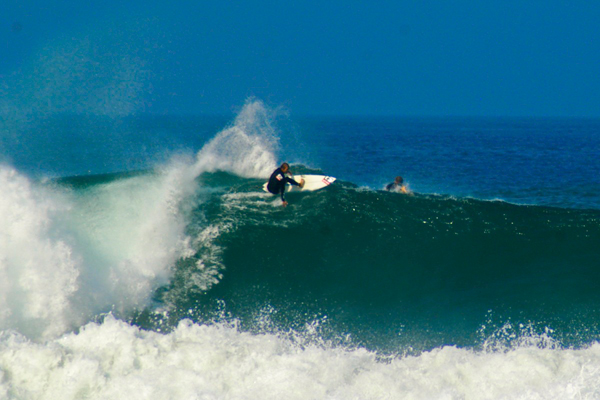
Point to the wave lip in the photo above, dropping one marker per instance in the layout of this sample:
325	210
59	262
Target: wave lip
67	255
72	249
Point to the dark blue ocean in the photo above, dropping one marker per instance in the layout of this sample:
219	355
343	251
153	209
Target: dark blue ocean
139	258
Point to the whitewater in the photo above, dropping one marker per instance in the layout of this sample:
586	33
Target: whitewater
115	360
175	282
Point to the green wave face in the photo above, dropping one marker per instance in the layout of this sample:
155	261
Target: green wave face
384	270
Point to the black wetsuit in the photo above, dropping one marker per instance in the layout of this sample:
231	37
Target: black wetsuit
392	186
277	183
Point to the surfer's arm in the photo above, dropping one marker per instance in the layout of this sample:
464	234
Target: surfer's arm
293	182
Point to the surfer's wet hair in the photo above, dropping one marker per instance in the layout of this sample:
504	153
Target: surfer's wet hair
285	166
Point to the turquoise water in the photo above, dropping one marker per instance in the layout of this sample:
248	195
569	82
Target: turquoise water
142	248
396	271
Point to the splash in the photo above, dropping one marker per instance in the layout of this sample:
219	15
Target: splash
116	360
39	272
67	256
248	148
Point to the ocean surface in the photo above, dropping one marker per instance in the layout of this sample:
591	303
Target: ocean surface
140	259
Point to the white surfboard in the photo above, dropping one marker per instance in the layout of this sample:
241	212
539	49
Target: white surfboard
311	183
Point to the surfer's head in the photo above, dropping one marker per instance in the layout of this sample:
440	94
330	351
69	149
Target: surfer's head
399	180
285	167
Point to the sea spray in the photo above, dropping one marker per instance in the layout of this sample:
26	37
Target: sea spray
135	232
39	272
67	256
70	253
100	74
245	149
248	148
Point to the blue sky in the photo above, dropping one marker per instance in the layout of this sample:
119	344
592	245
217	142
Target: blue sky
414	58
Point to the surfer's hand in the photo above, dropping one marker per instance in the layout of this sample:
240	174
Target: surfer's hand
301	183
284	204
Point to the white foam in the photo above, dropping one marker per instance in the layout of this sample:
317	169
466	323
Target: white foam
115	360
65	256
135	231
39	273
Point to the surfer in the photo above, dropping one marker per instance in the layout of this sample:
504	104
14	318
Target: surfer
397	186
278	180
